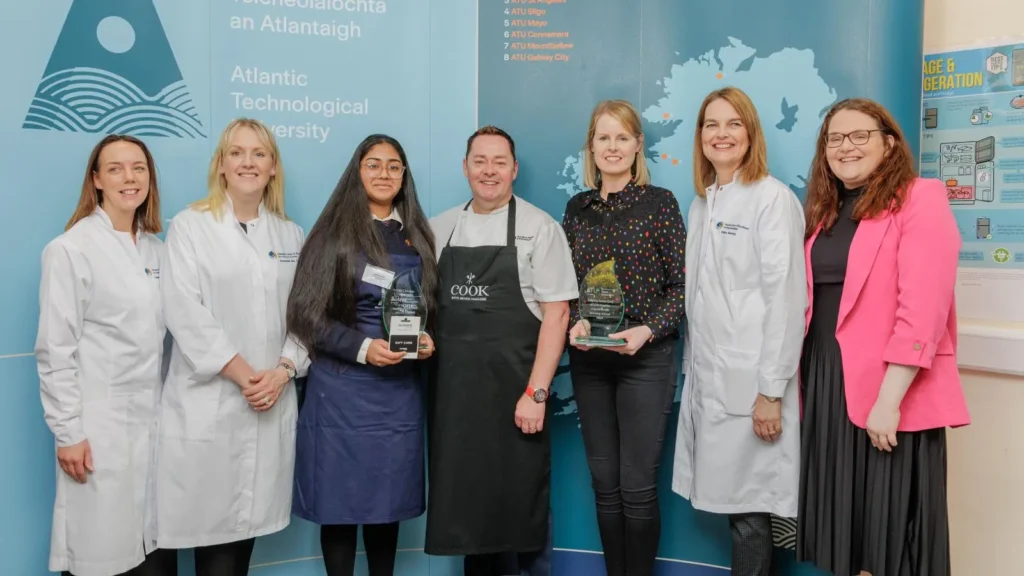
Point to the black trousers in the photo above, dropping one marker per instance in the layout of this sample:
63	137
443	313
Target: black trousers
624	403
157	563
752	544
230	559
338	543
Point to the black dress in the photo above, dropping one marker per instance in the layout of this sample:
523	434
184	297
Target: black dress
861	508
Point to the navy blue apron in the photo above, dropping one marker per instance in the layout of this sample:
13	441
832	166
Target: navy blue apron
489	482
359	444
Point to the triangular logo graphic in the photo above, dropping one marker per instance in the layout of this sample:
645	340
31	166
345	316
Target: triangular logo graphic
112	71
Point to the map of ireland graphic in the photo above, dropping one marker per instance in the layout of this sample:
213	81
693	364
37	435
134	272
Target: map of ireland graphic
112	71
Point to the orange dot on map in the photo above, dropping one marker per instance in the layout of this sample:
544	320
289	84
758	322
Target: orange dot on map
665	115
719	75
664	156
675	161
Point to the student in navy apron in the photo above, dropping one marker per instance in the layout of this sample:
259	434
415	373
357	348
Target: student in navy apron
506	277
359	443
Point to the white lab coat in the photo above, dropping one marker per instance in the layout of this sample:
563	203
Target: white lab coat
99	350
746	295
224	471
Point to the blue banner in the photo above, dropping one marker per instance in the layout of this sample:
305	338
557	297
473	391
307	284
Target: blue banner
325	73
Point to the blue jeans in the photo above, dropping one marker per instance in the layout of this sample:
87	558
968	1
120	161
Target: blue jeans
536	563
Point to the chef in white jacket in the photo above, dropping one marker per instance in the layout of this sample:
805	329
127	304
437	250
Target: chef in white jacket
98	351
738	443
228	415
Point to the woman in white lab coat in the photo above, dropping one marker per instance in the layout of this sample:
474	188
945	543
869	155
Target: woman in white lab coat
227	436
738	444
98	351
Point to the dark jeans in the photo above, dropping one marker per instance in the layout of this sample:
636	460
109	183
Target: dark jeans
624	403
338	543
537	563
157	563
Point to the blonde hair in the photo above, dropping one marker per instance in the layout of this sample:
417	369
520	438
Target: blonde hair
755	165
624	112
217	185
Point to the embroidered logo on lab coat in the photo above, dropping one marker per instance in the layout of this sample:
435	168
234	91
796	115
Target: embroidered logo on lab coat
730	229
284	256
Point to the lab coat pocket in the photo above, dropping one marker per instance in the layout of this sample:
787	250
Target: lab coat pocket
735	378
194	414
105	423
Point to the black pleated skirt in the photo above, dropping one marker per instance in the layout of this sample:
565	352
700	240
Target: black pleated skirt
862	508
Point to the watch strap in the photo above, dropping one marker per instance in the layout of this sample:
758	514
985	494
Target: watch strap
532	393
288	369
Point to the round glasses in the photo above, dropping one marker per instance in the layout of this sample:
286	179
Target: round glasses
857	137
374	169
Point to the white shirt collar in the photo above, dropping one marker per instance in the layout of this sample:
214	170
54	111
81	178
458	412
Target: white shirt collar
393	216
229	208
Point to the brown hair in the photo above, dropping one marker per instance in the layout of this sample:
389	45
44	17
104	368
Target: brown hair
885	188
217	184
755	164
491	131
624	112
147	216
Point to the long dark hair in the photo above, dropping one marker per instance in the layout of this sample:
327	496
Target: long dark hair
325	278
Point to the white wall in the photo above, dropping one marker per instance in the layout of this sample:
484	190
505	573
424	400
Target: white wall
986	459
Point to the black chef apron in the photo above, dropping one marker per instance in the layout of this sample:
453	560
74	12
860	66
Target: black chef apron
489	482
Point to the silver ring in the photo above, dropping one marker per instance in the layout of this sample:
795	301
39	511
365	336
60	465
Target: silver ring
266	400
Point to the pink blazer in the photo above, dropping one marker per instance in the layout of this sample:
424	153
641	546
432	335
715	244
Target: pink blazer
898	306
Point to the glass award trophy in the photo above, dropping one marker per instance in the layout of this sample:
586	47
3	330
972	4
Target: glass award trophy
405	313
601	306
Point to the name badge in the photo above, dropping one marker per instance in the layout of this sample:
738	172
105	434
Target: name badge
378	276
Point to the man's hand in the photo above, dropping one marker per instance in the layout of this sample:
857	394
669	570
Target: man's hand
264	388
529	415
767	418
76	460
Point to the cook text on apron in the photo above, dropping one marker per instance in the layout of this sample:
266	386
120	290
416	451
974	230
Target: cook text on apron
359	447
489	482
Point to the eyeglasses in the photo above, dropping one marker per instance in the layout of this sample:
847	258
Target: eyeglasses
857	137
373	169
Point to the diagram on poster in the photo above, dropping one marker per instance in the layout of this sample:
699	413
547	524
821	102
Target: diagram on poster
973	140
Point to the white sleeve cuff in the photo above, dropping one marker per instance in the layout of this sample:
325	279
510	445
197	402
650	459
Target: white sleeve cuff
70	433
361	357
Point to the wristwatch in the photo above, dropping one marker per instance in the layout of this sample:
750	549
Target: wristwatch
289	369
539	395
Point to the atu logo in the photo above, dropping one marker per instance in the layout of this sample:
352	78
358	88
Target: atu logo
112	71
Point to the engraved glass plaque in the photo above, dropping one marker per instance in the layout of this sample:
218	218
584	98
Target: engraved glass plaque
601	306
405	312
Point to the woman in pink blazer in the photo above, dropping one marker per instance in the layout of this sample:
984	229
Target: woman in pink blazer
878	371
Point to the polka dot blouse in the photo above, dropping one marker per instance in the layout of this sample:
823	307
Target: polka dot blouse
642	228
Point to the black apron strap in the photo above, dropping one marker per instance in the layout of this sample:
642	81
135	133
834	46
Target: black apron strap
449	242
510	239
